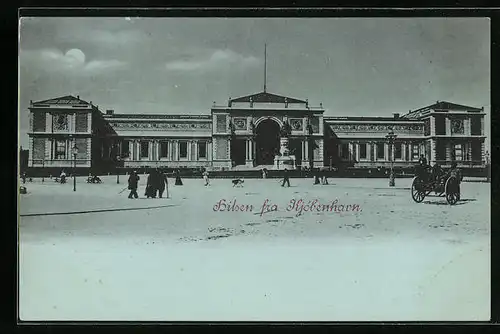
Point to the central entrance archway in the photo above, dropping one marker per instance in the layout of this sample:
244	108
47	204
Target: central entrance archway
267	142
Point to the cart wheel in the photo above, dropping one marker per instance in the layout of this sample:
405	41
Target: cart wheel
416	190
452	190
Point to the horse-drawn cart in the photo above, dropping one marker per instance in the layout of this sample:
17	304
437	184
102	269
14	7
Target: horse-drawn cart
425	184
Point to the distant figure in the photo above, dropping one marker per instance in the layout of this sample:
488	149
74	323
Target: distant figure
63	177
437	172
163	182
316	175
457	173
285	178
133	181
151	185
23	177
205	177
264	173
178	180
324	177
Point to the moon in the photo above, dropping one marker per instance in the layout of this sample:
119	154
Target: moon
76	54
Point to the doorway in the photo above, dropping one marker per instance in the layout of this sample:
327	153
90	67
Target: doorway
267	142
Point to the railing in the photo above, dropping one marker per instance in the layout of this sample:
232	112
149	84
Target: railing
59	163
462	163
166	163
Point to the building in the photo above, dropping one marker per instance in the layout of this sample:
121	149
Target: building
245	134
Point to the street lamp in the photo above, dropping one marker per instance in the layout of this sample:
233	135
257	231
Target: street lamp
117	169
43	170
75	152
390	138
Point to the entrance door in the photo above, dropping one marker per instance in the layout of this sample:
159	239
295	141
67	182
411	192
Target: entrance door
267	142
238	151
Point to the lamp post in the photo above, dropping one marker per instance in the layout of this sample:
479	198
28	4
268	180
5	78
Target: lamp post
390	138
43	171
117	169
75	152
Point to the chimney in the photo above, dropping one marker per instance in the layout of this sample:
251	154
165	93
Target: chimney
396	115
78	97
110	112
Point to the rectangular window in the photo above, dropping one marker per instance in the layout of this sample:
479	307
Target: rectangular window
458	152
440	150
163	149
380	151
315	124
81	122
475	126
183	150
144	149
202	149
398	148
416	152
125	149
476	151
38	121
362	151
81	145
344	151
60	150
440	125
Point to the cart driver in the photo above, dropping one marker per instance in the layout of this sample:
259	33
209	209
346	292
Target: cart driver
437	172
455	171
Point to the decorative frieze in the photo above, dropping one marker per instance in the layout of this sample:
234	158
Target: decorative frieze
162	126
377	127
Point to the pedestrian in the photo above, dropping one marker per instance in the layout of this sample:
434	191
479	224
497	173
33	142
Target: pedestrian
324	179
151	185
133	181
163	182
205	177
264	173
23	176
178	180
285	178
63	177
316	175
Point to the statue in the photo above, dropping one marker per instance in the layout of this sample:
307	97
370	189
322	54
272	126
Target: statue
286	130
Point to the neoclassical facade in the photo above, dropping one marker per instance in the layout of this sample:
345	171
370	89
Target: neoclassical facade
245	134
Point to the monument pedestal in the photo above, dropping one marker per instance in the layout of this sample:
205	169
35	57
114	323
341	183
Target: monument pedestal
284	161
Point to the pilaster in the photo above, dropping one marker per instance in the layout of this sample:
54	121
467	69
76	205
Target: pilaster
448	126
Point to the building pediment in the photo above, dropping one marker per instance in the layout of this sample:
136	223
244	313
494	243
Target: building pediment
62	101
265	97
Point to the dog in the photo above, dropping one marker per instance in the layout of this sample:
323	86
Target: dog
238	182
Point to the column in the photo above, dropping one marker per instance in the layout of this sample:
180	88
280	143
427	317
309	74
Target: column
375	151
209	150
386	151
89	123
482	125
432	159
410	151
157	144
448	126
138	149
247	149
196	153
357	151
349	148
250	142
403	151
433	125
48	122
150	149
467	124
73	123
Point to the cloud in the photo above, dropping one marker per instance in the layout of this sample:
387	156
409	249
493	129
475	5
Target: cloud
216	60
72	61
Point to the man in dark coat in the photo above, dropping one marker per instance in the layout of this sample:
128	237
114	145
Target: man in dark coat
133	181
162	182
422	161
285	178
178	180
151	185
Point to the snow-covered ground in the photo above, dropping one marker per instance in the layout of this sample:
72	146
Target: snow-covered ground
376	255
